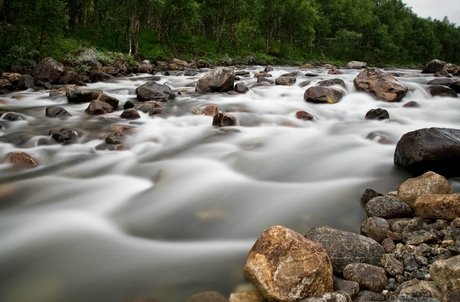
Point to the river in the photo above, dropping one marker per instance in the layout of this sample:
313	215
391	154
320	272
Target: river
177	212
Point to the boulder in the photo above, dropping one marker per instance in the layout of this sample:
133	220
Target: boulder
285	81
56	111
69	77
441	81
322	95
268	68
130	114
344	247
145	67
12	77
27	81
210	110
456	86
377	114
177	64
376	228
99	76
356	65
285	266
48	70
430	149
388	207
303	115
109	100
444	91
21	159
77	95
223	120
438	206
442	73
6	85
87	56
380	85
241	88
97	107
434	66
64	136
428	183
152	91
446	275
334	70
366	275
331	82
220	79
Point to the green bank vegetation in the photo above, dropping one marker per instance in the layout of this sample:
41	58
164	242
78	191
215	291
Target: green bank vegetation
381	32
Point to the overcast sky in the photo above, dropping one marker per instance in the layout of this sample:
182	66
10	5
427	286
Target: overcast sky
436	9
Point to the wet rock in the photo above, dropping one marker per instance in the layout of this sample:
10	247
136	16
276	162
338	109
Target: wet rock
56	111
456	86
428	183
392	265
376	228
433	149
356	65
379	138
367	296
210	110
223	120
411	104
303	115
69	77
48	70
268	68
388	207
322	95
443	91
442	73
64	136
438	206
265	80
13	117
380	85
97	107
241	88
152	91
114	138
344	247
368	195
177	64
77	95
285	266
21	159
285	81
351	288
26	82
190	72
331	82
109	100
87	56
207	297
16	138
366	275
434	66
145	67
6	85
446	275
130	114
334	70
441	81
220	79
99	76
377	114
128	105
262	74
329	297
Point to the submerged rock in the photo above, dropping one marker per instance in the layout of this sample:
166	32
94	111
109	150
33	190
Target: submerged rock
21	159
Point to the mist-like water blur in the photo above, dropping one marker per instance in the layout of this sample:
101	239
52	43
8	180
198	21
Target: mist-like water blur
177	213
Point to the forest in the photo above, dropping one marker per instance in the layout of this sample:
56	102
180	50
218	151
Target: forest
380	32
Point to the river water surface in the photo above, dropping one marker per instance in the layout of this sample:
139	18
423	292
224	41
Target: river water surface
177	213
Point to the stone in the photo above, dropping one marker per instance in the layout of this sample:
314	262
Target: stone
77	95
443	91
438	206
434	66
367	296
446	275
128	105
265	80
64	136
99	76
109	100
351	288
220	79
303	115
152	91
368	195
388	207
114	138
331	82
392	265
130	114
285	81
430	149
87	56
322	95
268	68
13	117
285	266
405	298
16	138
418	237
241	88
223	120
145	67
334	70
21	159
366	275
376	228
441	81
69	77
329	297
377	114
26	82
210	296
456	86
427	183
177	64
56	111
210	110
356	65
423	289
12	77
388	245
380	85
411	104
246	297
141	299
344	247
97	107
6	85
48	70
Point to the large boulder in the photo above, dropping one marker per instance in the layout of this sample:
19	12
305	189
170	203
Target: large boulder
285	266
344	247
446	275
48	70
87	56
438	206
356	64
78	95
145	67
152	91
434	66
220	79
322	95
430	149
380	85
444	91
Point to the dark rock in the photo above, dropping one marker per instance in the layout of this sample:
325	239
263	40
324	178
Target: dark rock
69	77
434	66
128	105
392	265
441	81
130	114
368	195
379	138
56	111
152	91
99	76
285	81
114	138
456	86
48	70
190	72
26	82
78	95
21	159
203	64
303	115
419	237
87	56
64	136
223	120
145	67
346	286
6	85
443	91
377	114
380	85
268	68
265	80
442	73
322	95
411	104
241	88
366	275
207	297
220	79
97	107
433	149
369	296
250	60
109	100
376	228
344	247
388	207
331	82
12	117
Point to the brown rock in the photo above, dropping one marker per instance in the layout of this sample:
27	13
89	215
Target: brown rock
56	111
446	275
77	95
285	81
388	245
434	66
392	265
210	110
443	91
423	289
220	79
13	77
109	100
376	228
388	207
322	95
97	107
48	70
247	297
130	114
438	206
21	159
303	115
382	86
346	286
207	297
241	88
367	276
285	266
428	183
223	120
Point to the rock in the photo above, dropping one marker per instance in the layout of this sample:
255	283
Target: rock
56	111
368	195
223	120
376	228
349	287
97	107
456	86
323	95
434	66
177	64
329	297
411	104
128	105
268	68
12	77
303	115
26	82
210	110
369	296
334	70
344	247
141	299
380	85
356	65
388	245
442	73
69	77
433	149
241	88
6	85
428	183
64	136
388	207
285	81
87	56
377	114
130	114
392	265
438	206
331	82
379	138
250	60
109	100
207	297
405	298
145	67
366	275
423	289
285	266
418	237
441	81
152	91
443	91
265	80
99	76
13	117
77	95
446	275
203	64
16	138
48	70
21	159
220	79
190	72
247	297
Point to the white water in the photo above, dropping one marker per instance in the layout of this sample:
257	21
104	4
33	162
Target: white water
178	212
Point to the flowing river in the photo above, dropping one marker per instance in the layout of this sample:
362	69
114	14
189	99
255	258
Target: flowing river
177	213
